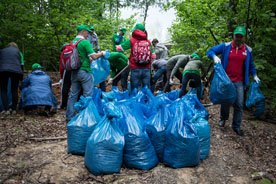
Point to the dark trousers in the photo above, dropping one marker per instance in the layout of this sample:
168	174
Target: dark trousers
123	77
4	79
103	86
160	74
65	88
167	85
185	81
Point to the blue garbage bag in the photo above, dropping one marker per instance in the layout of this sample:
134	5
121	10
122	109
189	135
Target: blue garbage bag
203	132
115	95
254	94
146	100
9	96
104	150
100	68
222	89
196	108
182	142
173	95
157	124
259	108
193	91
138	152
37	90
97	93
81	126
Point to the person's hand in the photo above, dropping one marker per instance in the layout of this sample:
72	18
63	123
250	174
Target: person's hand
216	59
110	80
60	82
171	81
104	52
256	78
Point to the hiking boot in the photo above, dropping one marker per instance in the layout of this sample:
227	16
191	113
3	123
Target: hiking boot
239	132
221	123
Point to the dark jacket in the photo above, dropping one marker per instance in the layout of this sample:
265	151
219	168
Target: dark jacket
37	90
10	60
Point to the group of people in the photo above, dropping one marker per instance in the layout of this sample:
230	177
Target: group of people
149	64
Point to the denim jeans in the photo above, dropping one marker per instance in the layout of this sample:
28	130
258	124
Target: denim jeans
238	107
123	77
158	75
139	77
185	81
80	79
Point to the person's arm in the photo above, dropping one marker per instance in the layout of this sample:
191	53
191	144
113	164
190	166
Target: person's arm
153	55
177	65
124	46
61	69
25	83
214	51
203	71
21	60
252	69
97	43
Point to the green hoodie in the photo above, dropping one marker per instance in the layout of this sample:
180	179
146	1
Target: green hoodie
118	61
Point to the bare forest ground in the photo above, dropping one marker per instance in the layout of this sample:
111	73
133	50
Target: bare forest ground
232	159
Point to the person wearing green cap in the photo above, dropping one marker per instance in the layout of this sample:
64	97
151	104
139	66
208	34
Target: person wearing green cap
37	92
237	61
192	73
93	39
118	38
82	78
10	68
140	58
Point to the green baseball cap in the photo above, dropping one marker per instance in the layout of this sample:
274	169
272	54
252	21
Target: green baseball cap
141	27
83	27
123	30
240	30
194	55
36	66
92	27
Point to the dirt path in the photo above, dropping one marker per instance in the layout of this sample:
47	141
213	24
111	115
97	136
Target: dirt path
232	159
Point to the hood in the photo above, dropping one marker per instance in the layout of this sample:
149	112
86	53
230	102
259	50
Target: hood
38	72
160	45
139	35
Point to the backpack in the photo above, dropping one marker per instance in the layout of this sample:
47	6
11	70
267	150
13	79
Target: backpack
70	57
142	52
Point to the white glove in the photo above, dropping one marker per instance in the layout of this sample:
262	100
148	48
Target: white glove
103	53
256	78
110	80
171	81
216	59
60	82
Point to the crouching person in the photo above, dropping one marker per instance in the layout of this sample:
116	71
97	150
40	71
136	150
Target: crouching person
37	92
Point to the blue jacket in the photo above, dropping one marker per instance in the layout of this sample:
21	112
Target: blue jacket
37	90
224	50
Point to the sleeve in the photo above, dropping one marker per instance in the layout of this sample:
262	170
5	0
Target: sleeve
61	69
252	69
25	83
21	58
97	42
176	67
126	45
112	73
88	47
214	51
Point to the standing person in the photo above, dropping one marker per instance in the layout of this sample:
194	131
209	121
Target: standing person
160	49
37	91
237	61
118	61
118	38
192	73
140	56
11	66
82	78
172	69
65	82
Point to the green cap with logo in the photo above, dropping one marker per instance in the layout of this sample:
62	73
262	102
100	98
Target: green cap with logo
83	27
141	27
123	30
36	66
92	28
240	30
194	55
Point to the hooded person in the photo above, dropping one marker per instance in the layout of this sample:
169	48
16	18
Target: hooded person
37	91
118	38
140	58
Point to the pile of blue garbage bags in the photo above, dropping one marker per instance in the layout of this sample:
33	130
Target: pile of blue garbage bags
139	130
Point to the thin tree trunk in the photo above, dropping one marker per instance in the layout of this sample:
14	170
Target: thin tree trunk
214	37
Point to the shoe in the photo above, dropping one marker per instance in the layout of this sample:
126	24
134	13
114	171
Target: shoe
13	112
221	123
5	112
239	132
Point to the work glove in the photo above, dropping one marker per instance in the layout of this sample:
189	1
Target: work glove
171	81
60	82
98	50
216	59
110	80
256	78
104	52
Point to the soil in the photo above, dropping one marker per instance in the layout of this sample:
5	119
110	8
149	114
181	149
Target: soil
232	159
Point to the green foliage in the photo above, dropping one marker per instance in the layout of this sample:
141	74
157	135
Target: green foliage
202	24
40	27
